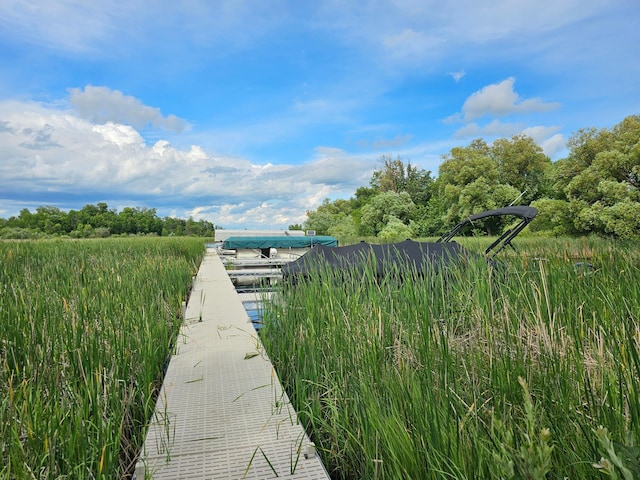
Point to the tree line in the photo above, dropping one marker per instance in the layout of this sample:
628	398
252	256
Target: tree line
99	221
594	190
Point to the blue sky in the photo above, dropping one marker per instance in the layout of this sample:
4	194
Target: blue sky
248	113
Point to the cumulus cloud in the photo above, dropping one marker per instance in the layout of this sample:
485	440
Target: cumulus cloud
500	100
38	139
45	151
102	105
5	127
333	167
493	128
540	133
554	146
73	154
551	142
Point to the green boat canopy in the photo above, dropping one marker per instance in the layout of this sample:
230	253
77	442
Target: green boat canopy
239	243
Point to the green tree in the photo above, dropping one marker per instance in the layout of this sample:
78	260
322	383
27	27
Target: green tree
391	177
127	220
395	176
98	220
522	164
554	216
343	227
608	188
382	208
319	220
26	219
328	215
470	181
396	230
50	220
419	185
598	185
147	221
173	226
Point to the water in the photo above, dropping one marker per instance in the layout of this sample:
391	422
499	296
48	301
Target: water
254	310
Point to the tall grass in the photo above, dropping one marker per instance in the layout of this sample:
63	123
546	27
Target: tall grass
86	328
527	370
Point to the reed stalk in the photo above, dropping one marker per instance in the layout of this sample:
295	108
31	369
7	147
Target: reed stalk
478	371
86	332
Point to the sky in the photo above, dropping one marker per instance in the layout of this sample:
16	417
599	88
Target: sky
249	113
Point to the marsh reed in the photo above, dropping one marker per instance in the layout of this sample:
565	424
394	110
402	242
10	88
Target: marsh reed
530	369
86	329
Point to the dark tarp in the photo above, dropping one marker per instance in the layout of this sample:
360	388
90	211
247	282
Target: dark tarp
415	257
236	243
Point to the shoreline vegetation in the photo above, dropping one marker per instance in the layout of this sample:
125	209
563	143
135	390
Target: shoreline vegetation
98	221
527	370
87	328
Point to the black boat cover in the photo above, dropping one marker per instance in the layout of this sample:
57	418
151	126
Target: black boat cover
416	257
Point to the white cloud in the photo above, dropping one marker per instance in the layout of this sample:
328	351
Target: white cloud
457	76
540	133
411	45
500	100
333	167
74	156
551	142
554	146
492	129
102	105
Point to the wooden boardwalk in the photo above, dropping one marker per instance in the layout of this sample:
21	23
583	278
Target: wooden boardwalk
221	412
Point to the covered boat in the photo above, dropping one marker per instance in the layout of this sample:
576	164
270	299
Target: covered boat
284	241
273	248
384	259
415	257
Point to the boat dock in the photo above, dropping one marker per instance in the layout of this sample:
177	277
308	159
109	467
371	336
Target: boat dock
222	412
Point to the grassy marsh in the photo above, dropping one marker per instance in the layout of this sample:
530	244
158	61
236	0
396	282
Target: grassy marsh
86	330
531	370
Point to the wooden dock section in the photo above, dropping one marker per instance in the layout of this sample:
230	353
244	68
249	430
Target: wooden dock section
221	412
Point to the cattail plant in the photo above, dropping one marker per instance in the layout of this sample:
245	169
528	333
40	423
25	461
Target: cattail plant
509	370
86	330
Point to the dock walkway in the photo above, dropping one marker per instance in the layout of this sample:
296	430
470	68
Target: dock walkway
221	412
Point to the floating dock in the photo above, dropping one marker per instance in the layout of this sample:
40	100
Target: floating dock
222	412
